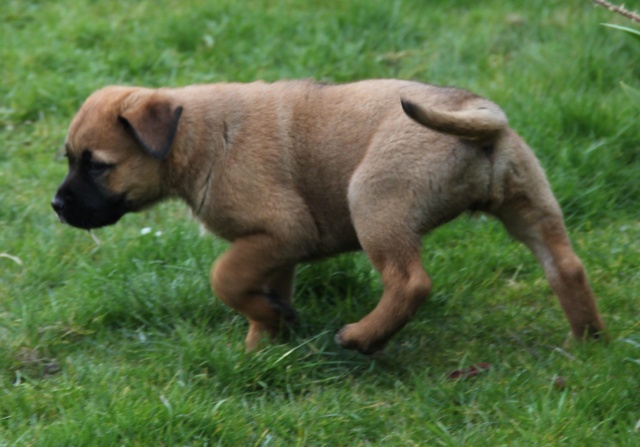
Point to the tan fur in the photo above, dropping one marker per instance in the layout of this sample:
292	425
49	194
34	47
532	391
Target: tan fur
295	171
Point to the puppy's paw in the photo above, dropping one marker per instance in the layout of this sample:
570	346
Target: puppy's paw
259	336
287	313
351	337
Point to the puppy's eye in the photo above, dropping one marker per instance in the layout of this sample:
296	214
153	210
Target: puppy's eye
97	168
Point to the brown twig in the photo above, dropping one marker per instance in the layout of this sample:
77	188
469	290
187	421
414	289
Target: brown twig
631	15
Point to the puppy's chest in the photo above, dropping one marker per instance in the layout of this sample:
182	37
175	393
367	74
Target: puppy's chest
225	222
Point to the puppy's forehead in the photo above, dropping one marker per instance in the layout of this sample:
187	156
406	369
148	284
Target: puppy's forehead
94	125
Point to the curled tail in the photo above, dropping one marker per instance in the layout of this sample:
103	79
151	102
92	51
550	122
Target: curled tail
484	121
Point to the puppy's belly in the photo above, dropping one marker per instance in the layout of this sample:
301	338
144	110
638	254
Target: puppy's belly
333	246
333	237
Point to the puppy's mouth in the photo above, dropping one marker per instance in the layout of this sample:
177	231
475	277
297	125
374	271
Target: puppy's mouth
88	213
61	218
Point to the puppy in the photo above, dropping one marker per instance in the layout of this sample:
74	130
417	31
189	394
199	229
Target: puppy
295	171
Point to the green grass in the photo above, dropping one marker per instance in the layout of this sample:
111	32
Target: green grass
122	343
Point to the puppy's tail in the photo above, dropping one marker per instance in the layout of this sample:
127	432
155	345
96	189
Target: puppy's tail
483	122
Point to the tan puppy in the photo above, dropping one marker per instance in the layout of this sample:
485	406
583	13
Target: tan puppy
295	171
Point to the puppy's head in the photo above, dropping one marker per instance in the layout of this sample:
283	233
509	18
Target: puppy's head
117	148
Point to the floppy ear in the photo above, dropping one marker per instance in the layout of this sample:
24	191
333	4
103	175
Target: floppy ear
152	119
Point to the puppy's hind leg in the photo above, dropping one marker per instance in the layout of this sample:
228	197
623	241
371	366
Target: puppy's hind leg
393	248
537	222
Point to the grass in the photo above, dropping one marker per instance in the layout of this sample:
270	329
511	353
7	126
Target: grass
122	343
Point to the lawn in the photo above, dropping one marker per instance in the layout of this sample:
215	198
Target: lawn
117	340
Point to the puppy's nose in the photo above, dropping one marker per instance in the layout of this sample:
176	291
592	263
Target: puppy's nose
57	204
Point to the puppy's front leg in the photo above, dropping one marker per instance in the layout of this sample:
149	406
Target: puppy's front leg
252	279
